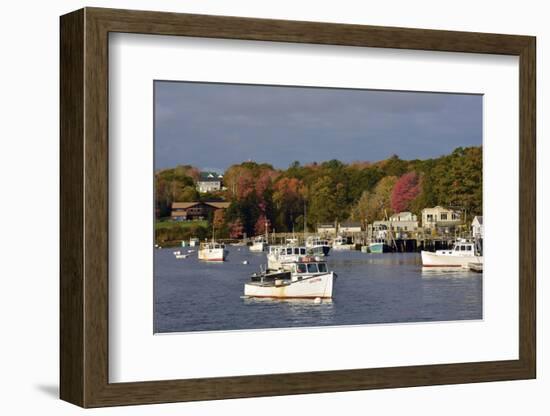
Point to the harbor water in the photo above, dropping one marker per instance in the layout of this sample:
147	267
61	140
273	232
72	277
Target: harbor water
190	295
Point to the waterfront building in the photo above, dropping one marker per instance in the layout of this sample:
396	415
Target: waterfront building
403	222
186	211
442	219
209	182
477	226
349	227
328	229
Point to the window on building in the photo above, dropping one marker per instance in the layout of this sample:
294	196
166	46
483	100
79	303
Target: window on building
444	217
430	217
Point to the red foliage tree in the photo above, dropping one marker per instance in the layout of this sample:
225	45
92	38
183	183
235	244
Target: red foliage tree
236	229
261	224
406	189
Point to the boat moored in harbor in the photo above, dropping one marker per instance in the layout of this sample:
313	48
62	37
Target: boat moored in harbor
462	255
342	243
318	246
306	278
259	244
378	246
212	251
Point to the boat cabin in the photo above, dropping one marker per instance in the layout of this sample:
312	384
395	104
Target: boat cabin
287	250
464	248
309	268
212	245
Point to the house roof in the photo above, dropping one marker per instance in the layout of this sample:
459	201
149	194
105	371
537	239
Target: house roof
325	225
219	204
210	177
439	208
185	205
479	219
403	214
350	224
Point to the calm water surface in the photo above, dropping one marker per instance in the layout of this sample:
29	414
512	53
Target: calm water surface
370	288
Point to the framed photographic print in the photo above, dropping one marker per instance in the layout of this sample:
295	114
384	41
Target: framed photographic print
255	207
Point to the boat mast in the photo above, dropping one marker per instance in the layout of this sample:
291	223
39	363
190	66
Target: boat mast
305	221
213	231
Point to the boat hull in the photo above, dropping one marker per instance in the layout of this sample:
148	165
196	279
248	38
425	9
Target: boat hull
377	248
343	247
216	254
258	247
430	259
319	286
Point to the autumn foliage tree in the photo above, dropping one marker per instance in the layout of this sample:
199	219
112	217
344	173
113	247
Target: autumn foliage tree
328	191
236	229
262	225
406	189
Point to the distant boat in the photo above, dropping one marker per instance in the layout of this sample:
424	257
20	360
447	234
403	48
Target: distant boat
307	278
193	242
342	243
259	244
463	253
318	246
378	246
212	251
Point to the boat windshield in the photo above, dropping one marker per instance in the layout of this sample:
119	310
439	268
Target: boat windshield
322	267
312	268
301	268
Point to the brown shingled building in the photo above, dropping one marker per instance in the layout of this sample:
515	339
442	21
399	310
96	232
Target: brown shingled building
184	211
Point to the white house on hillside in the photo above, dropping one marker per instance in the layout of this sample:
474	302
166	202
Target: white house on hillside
209	182
439	217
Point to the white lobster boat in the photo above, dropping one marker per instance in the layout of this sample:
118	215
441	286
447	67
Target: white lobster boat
212	251
306	278
259	244
462	254
318	246
342	243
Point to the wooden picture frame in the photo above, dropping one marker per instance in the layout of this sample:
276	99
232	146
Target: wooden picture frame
84	207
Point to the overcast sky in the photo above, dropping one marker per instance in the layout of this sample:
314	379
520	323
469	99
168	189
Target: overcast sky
212	126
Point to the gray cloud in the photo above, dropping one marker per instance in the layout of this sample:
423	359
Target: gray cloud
216	125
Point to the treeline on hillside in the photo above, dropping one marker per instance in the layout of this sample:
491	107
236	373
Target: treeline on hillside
329	191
